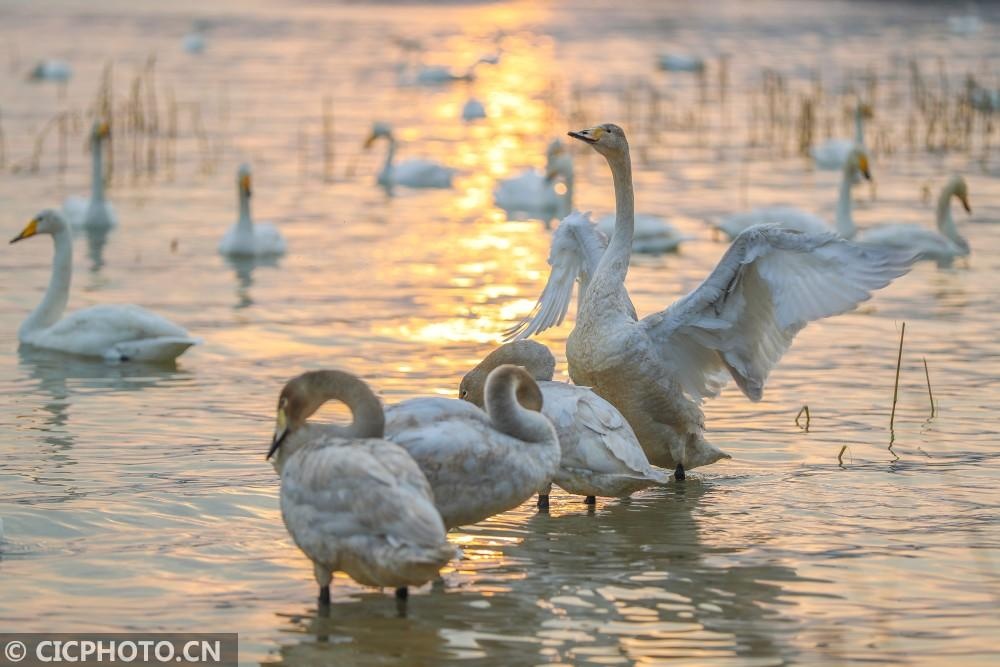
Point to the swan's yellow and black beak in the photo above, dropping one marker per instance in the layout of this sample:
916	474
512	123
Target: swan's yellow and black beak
30	230
103	130
590	135
370	140
962	197
280	433
863	167
245	185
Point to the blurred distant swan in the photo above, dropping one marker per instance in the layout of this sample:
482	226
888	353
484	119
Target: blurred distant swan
51	70
833	153
473	110
352	501
653	234
941	246
737	323
112	332
417	173
480	463
794	218
600	455
534	193
97	211
247	238
680	62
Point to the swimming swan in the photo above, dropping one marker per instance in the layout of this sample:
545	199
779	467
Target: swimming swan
942	246
416	173
480	463
833	153
738	322
600	455
247	238
789	217
113	332
533	193
653	234
352	501
95	212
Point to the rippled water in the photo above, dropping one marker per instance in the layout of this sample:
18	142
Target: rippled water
138	497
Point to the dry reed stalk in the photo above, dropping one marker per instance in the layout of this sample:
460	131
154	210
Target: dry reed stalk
804	409
895	390
930	393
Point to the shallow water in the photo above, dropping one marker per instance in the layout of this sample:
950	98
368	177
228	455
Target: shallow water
138	497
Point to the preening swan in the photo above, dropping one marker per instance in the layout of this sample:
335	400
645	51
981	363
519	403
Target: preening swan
941	246
473	110
352	501
789	217
600	455
480	463
96	212
112	332
833	153
738	322
416	173
247	238
533	193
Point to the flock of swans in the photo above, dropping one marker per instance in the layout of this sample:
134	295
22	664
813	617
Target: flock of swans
376	498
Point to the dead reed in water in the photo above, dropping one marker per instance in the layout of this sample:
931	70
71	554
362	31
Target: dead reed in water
895	390
930	393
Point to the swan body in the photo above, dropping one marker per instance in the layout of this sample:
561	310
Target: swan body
533	193
600	454
95	212
789	217
653	234
473	110
833	153
941	246
51	70
737	323
112	332
193	42
480	463
352	501
248	238
417	173
679	62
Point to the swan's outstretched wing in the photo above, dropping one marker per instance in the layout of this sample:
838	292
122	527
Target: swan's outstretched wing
767	287
576	250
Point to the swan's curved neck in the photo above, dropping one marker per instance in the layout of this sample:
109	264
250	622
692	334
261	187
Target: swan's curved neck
532	356
507	413
845	217
367	416
245	222
53	303
97	171
945	223
859	127
390	155
609	279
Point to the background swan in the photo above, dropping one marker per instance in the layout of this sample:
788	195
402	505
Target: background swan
943	245
416	173
247	238
473	110
653	234
680	62
534	193
833	153
480	463
112	332
51	70
789	217
97	211
738	322
352	501
600	455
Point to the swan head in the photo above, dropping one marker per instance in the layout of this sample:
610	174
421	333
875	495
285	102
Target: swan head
607	139
243	180
509	377
958	188
531	355
379	129
100	131
857	162
48	221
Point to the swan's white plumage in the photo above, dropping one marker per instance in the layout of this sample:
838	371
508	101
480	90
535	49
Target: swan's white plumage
833	153
653	234
533	193
248	238
51	70
414	173
95	212
680	62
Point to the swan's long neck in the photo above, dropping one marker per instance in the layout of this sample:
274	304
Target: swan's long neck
945	223
367	416
390	155
97	171
530	355
53	303
859	128
503	389
608	280
245	222
845	218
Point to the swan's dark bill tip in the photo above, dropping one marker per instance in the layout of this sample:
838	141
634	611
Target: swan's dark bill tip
582	137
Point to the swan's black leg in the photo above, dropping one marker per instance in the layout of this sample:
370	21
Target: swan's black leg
324	596
679	472
402	594
590	500
543	503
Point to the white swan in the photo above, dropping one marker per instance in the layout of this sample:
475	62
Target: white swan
480	463
416	173
941	246
113	332
738	322
248	238
473	110
600	455
680	62
533	193
790	217
352	501
653	234
51	70
96	212
833	153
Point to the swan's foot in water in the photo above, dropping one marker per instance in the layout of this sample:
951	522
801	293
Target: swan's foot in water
402	594
679	472
543	502
324	596
590	500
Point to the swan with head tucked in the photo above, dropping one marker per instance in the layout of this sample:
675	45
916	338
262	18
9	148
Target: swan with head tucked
789	217
473	110
600	455
416	173
480	463
352	501
737	323
533	193
96	212
112	332
941	246
833	153
653	234
248	238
